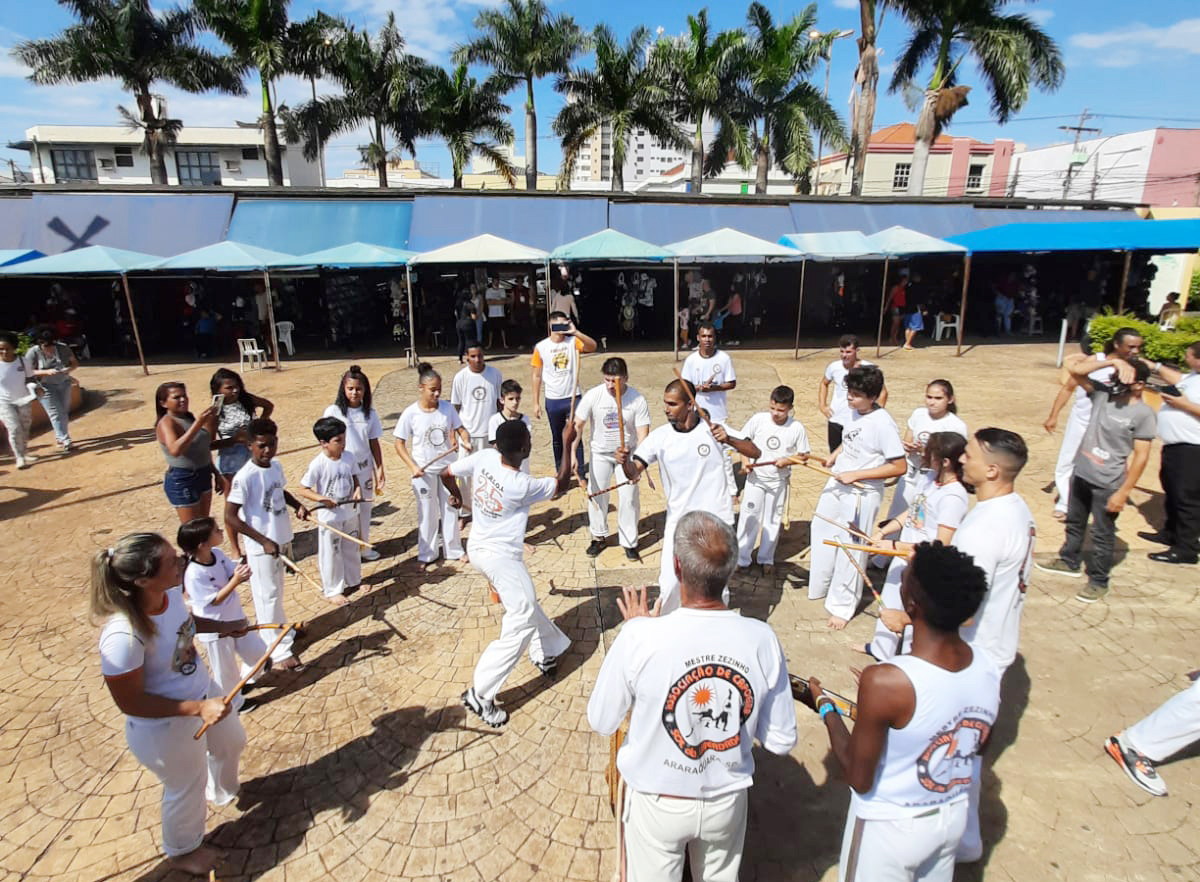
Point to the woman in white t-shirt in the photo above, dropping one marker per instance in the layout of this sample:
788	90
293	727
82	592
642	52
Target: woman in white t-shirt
363	431
425	435
16	407
150	665
940	414
939	505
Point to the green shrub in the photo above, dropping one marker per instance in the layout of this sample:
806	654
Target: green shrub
24	341
1158	345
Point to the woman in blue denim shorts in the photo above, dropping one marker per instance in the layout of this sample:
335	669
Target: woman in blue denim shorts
237	410
186	442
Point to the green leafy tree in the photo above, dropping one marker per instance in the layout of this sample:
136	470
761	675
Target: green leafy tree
524	42
471	117
128	41
1011	52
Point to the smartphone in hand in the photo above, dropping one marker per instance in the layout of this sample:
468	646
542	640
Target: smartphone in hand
217	401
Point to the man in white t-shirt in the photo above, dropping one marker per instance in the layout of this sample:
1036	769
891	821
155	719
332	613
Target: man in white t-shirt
831	393
555	366
496	302
703	683
691	465
710	371
503	495
475	394
599	405
1179	428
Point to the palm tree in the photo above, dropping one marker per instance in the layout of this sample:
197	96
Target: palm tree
866	84
380	89
127	41
524	43
471	117
625	91
704	72
1010	51
780	105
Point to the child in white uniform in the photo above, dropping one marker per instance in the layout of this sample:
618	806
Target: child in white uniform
510	409
940	414
780	437
331	482
16	400
474	392
363	431
870	453
257	508
432	428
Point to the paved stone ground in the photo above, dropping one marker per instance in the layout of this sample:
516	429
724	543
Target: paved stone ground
365	766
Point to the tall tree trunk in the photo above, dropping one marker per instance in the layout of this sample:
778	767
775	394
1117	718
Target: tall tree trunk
866	77
618	178
271	139
154	147
762	160
530	137
698	159
924	140
381	165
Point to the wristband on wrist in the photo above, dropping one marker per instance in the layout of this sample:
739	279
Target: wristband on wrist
826	708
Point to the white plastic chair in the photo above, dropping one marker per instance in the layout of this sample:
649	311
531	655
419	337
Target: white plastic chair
941	325
283	330
1034	328
249	351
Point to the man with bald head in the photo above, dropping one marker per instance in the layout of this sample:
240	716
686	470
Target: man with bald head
703	683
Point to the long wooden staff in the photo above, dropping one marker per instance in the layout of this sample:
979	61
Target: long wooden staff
291	565
441	455
233	693
858	566
335	531
849	528
612	488
886	552
792	460
824	471
803	694
273	626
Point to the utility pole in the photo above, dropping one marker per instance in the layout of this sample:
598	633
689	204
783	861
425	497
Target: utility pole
1074	162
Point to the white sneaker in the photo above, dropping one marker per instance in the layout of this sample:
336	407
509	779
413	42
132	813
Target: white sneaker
489	713
22	463
369	554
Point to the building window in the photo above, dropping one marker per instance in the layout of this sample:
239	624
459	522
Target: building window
249	153
900	175
974	178
124	156
197	168
73	165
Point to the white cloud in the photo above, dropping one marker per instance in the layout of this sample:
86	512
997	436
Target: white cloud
1130	44
11	68
1039	16
846	4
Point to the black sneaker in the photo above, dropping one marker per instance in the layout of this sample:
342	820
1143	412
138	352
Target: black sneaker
1171	557
631	554
1157	538
595	548
489	713
548	667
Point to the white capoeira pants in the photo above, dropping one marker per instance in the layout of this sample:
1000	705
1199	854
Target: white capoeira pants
478	443
190	770
223	660
604	473
16	420
762	508
365	471
1170	728
918	849
904	492
660	829
831	574
887	644
433	507
1065	467
524	624
338	558
266	587
970	848
668	584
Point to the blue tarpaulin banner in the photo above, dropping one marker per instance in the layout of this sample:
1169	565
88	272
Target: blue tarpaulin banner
300	226
543	222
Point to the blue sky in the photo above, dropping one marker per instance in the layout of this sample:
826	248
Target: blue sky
1134	65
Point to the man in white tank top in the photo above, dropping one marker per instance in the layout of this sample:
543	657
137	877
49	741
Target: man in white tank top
922	721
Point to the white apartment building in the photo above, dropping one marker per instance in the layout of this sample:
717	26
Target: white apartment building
645	156
201	157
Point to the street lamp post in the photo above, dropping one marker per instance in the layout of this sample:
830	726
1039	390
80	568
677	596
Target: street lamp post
834	35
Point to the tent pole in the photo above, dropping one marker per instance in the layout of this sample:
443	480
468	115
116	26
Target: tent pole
1124	282
675	313
962	306
137	335
882	304
412	328
271	319
549	294
800	306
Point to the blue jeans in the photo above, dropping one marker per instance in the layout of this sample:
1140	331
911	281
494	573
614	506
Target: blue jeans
56	401
558	411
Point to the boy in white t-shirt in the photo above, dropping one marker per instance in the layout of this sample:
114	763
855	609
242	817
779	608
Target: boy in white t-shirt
831	393
780	437
257	509
710	371
474	393
331	482
510	409
870	453
503	495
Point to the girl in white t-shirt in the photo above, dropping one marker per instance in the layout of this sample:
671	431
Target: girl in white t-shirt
938	507
363	431
940	414
425	435
151	668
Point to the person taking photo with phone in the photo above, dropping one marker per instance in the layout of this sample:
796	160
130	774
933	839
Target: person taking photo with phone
555	365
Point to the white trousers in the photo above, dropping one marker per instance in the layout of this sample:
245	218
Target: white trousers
524	624
831	575
365	470
338	558
970	848
433	507
887	644
762	508
604	473
17	421
266	587
190	770
478	443
904	492
1170	728
1065	467
660	829
919	849
223	660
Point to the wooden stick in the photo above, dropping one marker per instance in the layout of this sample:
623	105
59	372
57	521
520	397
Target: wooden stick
272	626
824	471
849	528
786	519
692	398
802	693
794	460
886	552
610	489
291	565
862	572
233	693
335	531
441	455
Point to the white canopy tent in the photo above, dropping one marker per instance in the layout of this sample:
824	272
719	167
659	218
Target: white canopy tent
843	245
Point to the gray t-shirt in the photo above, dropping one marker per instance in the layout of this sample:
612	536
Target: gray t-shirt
1109	438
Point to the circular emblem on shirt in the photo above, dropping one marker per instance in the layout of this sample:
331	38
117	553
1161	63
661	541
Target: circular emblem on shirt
479	393
704	450
436	437
772	443
947	763
705	709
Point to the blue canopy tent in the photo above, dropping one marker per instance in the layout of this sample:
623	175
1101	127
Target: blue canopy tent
95	260
610	245
845	245
232	257
18	255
